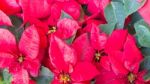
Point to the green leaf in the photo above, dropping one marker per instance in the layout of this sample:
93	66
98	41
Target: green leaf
65	15
118	10
145	51
132	6
108	28
115	13
6	77
17	28
45	76
145	64
135	17
143	33
117	1
71	39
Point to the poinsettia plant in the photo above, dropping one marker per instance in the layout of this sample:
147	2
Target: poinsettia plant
74	42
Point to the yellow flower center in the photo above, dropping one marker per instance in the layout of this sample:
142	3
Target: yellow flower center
64	78
131	78
20	59
52	30
97	56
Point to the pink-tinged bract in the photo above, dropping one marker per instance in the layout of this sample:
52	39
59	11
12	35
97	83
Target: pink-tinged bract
29	42
145	12
66	28
4	19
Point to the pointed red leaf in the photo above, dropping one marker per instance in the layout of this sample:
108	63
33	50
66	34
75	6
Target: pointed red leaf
10	7
132	55
116	40
84	52
42	29
73	9
7	42
66	28
83	1
5	59
55	13
35	9
14	67
84	71
30	42
4	19
98	40
117	63
104	63
32	66
61	55
95	6
21	77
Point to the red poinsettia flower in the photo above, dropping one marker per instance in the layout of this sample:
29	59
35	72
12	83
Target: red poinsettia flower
10	7
145	12
65	66
64	29
4	19
20	59
92	49
124	58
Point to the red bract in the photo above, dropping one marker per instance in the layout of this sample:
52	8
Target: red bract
65	66
145	12
55	13
34	9
73	9
66	28
124	58
93	21
96	6
113	44
86	51
4	19
98	40
22	59
83	1
10	7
